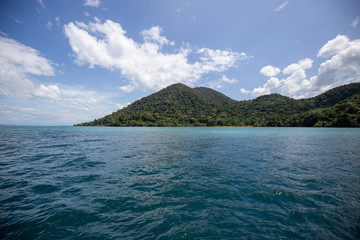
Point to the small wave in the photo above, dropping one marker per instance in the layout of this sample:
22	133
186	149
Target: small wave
85	178
106	185
260	196
92	164
73	162
61	145
44	188
92	140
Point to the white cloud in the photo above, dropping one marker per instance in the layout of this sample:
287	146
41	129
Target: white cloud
296	83
355	22
143	64
270	71
92	3
53	114
218	60
153	35
47	92
272	83
343	67
19	63
299	66
26	59
280	7
227	80
220	83
244	91
259	91
334	46
215	85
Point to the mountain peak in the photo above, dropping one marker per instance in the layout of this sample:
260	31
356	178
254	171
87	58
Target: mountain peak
180	105
177	86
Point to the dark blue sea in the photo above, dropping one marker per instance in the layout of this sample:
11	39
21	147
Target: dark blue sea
179	183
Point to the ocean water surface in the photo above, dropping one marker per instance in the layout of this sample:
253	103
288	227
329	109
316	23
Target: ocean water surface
179	183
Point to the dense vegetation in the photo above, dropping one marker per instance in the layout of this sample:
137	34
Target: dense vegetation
180	105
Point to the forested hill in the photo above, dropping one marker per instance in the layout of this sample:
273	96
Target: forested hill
180	105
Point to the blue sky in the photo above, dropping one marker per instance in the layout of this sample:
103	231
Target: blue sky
64	61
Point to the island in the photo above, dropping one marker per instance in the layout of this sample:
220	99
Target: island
180	105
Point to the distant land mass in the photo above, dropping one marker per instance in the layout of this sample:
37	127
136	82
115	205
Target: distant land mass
180	105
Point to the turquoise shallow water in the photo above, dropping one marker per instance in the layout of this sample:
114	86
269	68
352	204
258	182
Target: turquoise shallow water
179	183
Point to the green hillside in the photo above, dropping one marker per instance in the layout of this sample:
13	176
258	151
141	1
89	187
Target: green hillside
180	105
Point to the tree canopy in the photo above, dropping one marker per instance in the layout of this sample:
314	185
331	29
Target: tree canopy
180	105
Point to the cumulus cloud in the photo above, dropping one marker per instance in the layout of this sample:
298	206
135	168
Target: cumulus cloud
334	46
19	63
341	67
92	3
272	83
144	65
270	71
244	91
297	83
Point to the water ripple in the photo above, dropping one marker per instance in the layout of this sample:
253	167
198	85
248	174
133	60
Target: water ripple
179	183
